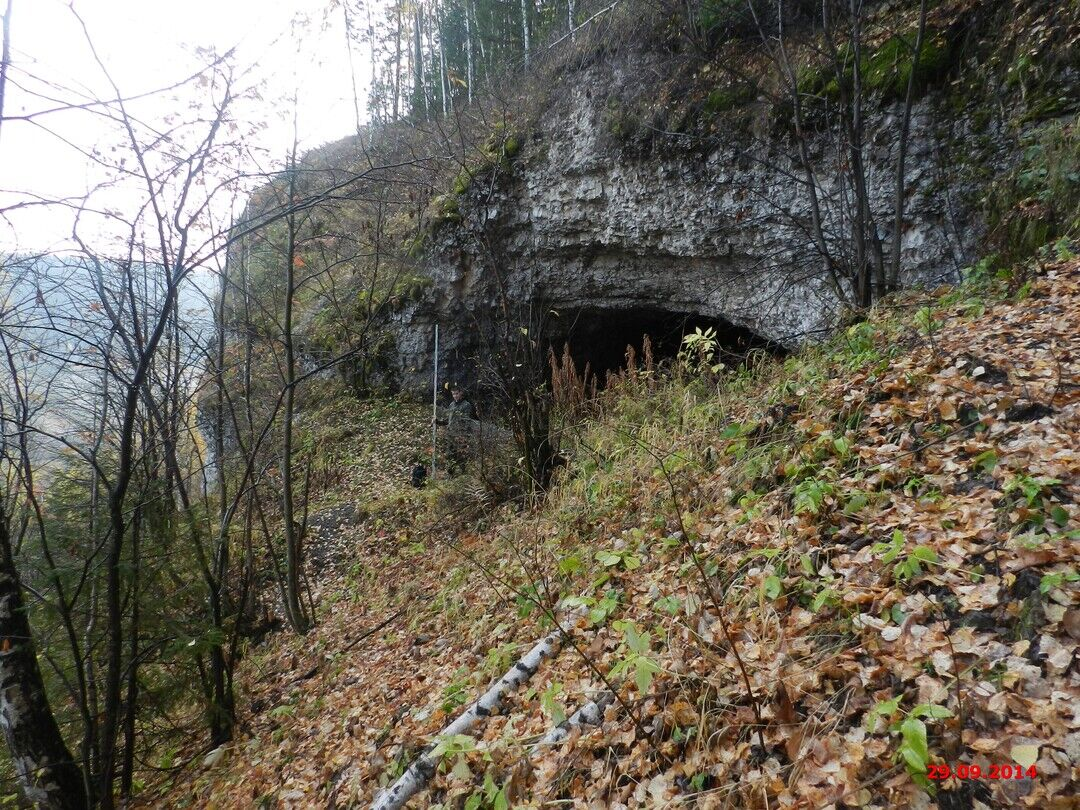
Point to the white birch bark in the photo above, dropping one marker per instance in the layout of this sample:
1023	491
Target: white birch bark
468	53
591	714
525	28
421	771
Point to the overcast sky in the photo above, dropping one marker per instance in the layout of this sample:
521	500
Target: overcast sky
148	44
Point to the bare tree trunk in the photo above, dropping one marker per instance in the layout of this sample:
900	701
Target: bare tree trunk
817	224
444	77
525	29
222	704
871	261
5	56
419	91
295	609
468	51
127	766
46	772
91	746
899	192
374	111
427	77
114	619
397	61
82	655
480	39
352	68
114	625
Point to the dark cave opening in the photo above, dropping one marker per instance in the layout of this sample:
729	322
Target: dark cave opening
600	336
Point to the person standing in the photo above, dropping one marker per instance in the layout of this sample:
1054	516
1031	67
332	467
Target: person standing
460	423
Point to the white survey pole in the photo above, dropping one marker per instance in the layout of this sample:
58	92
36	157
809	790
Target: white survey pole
435	404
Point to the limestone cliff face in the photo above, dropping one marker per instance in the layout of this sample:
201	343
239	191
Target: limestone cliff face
586	224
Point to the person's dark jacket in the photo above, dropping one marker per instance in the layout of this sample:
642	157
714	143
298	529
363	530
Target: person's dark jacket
460	415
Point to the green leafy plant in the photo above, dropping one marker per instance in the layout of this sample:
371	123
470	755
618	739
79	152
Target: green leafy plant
1038	202
551	706
570	565
699	350
985	462
826	596
668	604
489	797
456	746
1063	248
914	749
925	321
861	345
635	655
772	586
911	565
624	558
856	502
1055	580
456	692
1032	489
284	710
599	609
810	495
527	599
499	659
451	744
907	565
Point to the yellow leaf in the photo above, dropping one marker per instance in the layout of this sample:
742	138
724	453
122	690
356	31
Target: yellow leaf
1025	755
947	410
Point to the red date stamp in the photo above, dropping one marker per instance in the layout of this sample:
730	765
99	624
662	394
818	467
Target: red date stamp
965	771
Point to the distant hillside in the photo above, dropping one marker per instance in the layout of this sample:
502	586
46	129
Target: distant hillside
53	311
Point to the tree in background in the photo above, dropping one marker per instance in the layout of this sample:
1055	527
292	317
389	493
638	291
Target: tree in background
439	53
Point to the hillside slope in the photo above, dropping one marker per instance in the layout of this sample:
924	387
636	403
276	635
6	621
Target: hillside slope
888	527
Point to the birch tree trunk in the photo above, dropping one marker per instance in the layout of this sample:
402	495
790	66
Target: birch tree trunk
525	28
444	77
468	52
5	55
397	61
591	714
423	768
49	777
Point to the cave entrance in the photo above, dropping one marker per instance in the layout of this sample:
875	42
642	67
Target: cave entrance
599	337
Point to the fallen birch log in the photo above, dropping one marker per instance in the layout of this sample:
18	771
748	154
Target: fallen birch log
420	772
591	714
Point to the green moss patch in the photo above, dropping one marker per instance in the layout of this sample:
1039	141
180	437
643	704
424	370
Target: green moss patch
885	70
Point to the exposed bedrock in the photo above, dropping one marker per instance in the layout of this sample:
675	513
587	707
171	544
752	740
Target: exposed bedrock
585	225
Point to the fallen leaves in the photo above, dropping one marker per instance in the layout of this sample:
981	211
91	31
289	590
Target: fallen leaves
899	574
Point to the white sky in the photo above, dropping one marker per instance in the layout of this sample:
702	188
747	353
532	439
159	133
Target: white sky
147	44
